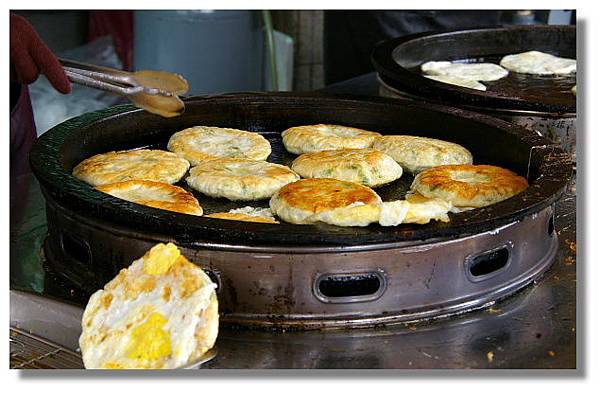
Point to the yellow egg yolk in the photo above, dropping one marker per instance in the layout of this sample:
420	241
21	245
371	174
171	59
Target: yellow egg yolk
113	366
160	258
149	341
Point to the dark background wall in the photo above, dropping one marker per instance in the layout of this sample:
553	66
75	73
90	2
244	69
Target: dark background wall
308	28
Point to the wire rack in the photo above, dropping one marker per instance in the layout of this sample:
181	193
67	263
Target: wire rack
28	351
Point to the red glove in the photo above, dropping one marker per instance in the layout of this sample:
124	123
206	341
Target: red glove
30	56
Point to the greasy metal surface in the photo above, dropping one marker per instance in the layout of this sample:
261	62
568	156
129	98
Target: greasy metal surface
60	149
533	329
560	130
28	351
397	61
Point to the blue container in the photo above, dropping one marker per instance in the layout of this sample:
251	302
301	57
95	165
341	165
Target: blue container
216	51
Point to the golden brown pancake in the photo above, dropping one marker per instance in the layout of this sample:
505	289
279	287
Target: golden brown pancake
201	143
321	137
369	167
316	195
154	194
469	185
247	213
417	153
240	180
328	200
143	164
343	203
242	217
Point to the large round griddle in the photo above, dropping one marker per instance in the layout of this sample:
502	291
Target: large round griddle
309	276
491	141
398	63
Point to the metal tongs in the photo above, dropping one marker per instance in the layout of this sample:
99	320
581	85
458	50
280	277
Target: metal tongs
155	91
108	79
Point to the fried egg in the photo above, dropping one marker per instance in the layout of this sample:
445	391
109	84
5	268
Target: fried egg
159	313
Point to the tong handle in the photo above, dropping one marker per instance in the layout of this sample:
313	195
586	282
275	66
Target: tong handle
89	81
97	77
91	67
107	79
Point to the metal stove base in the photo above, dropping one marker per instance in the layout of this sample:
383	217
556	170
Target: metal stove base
325	287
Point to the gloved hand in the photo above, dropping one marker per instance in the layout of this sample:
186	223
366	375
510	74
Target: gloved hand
29	56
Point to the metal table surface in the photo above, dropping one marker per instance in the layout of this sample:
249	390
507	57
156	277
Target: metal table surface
532	329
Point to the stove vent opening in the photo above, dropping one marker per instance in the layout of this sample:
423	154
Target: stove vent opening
76	249
485	265
551	226
349	287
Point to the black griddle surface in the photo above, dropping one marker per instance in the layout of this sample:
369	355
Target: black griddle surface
548	89
398	62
